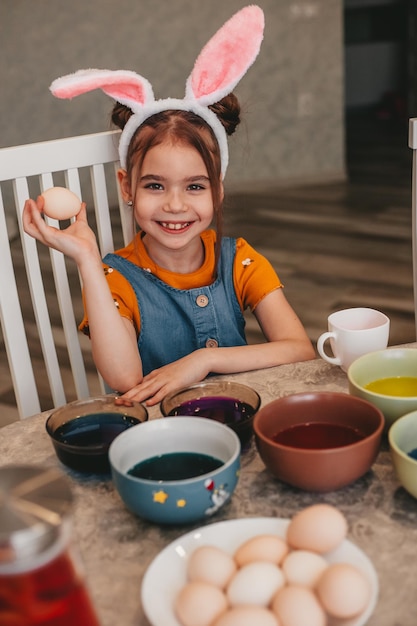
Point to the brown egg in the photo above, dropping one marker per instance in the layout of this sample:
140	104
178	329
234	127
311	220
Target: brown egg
298	606
262	548
343	590
302	567
247	616
199	604
211	565
255	583
60	203
319	528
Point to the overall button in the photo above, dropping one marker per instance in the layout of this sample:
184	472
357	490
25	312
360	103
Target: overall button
202	301
212	343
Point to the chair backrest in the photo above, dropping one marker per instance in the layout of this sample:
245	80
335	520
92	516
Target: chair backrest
40	333
412	142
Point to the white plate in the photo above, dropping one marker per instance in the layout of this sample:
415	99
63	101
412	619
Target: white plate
167	573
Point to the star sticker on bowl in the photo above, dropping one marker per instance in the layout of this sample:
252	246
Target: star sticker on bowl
181	503
160	496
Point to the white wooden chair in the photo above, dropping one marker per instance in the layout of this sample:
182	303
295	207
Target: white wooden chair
412	142
25	171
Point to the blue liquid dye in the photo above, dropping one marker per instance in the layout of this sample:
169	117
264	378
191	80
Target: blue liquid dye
413	454
91	435
94	430
175	466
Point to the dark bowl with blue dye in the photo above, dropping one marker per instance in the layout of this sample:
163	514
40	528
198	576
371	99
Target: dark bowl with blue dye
82	431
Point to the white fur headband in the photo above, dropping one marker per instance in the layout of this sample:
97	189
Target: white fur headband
219	67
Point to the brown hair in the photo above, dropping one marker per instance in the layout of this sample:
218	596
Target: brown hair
190	129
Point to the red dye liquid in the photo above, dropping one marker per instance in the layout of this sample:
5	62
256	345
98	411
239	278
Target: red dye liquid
52	595
318	435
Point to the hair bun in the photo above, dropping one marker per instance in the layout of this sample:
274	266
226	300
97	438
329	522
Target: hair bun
228	111
120	115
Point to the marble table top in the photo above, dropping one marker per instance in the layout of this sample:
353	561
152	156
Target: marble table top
117	547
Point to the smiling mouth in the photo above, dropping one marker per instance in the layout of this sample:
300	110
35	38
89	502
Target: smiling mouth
175	225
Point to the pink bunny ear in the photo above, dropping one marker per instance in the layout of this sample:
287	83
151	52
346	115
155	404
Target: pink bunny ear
124	86
227	56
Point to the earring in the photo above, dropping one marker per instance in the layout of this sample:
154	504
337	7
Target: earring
129	203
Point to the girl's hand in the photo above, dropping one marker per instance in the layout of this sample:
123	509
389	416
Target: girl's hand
74	241
156	385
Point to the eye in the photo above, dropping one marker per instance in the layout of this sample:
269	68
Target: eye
196	187
153	186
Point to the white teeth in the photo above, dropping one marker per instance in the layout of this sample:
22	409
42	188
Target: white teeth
176	226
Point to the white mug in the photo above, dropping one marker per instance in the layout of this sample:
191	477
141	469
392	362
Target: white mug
353	332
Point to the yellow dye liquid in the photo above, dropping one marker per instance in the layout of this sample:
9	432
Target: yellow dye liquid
402	386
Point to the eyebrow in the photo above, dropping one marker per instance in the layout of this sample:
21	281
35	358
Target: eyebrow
156	177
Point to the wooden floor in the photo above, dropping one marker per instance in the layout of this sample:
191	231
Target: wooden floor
334	246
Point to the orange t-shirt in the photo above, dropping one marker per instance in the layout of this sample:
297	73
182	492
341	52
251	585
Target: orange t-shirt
253	276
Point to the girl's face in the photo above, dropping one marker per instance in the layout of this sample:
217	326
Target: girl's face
172	195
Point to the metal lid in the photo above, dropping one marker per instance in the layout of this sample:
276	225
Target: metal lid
34	501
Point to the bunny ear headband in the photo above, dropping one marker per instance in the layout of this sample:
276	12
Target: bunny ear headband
219	67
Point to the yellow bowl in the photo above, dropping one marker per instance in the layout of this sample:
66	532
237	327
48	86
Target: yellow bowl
402	437
393	362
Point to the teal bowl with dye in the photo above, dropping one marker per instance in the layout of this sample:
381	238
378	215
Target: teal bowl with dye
162	497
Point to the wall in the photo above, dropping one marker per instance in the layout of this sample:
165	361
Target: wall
292	97
376	47
412	60
378	75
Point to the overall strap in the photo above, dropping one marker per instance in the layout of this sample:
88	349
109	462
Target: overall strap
176	322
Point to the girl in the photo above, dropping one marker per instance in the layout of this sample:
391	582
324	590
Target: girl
180	288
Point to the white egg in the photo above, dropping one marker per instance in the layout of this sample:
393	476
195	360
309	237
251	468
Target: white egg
247	616
211	565
255	583
319	528
199	604
343	590
302	567
262	548
60	203
298	606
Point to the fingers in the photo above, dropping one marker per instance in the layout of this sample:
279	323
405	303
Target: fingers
140	393
35	225
158	383
82	213
152	391
123	401
32	218
40	203
158	397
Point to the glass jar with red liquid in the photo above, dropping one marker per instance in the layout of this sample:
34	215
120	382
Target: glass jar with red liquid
41	581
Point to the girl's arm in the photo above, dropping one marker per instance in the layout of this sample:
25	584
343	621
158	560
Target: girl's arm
287	342
113	338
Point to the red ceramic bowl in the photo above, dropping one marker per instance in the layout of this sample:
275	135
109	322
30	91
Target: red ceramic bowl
352	427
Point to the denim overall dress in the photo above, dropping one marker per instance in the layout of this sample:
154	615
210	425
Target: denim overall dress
175	322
